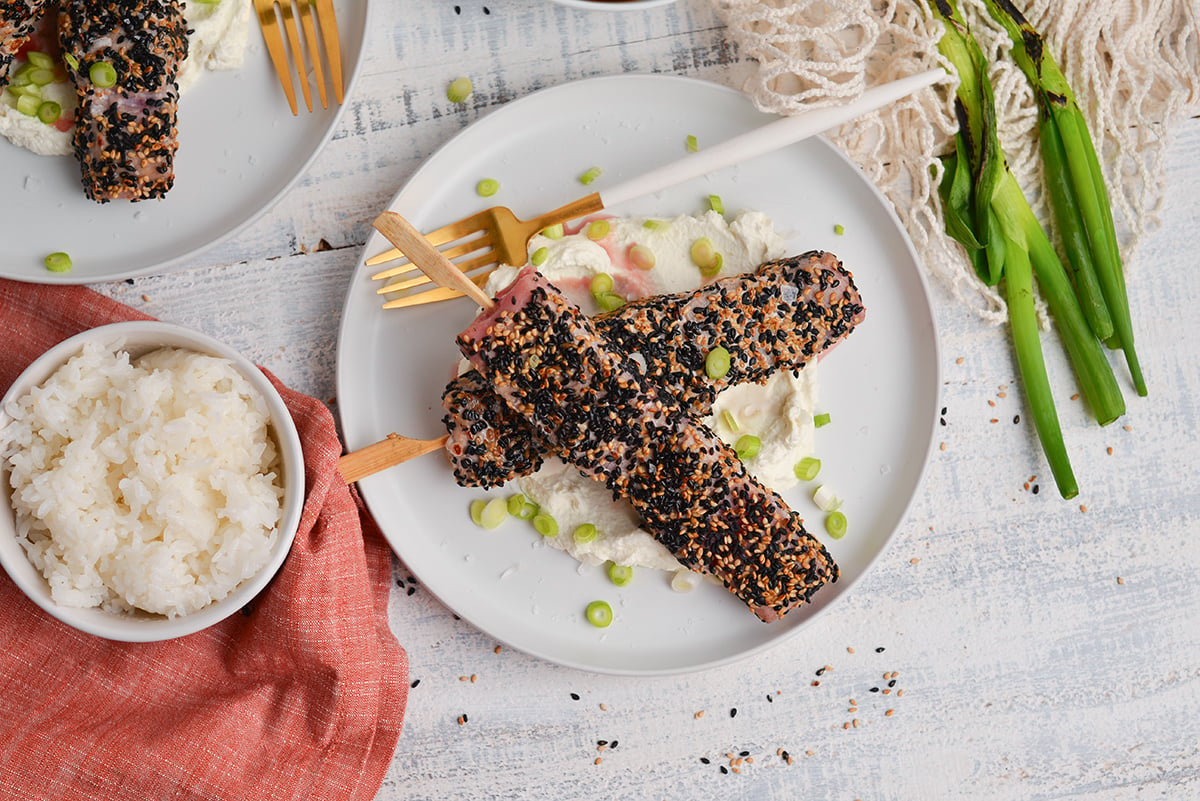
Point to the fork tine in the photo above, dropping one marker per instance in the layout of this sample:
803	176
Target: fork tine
293	36
314	51
486	260
269	22
440	236
333	48
470	246
433	295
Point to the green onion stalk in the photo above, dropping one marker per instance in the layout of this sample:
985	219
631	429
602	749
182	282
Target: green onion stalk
989	215
1075	184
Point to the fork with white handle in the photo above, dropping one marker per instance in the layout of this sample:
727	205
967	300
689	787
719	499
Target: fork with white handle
496	236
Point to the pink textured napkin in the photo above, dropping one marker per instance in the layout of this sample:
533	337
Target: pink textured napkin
301	696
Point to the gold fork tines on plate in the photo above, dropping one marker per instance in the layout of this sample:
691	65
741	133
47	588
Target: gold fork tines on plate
274	15
479	243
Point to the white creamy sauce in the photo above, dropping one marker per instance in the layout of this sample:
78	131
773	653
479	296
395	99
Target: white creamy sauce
218	42
779	412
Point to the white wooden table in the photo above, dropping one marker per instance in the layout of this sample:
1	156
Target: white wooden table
1009	645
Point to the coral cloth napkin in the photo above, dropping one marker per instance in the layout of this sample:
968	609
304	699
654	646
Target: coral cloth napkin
300	696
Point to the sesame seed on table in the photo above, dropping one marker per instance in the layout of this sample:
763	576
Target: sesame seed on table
1007	645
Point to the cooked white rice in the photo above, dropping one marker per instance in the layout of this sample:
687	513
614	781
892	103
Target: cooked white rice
151	485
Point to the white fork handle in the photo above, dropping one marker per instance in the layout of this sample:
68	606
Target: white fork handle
767	138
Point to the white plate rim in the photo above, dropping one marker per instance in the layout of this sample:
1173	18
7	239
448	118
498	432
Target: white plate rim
346	354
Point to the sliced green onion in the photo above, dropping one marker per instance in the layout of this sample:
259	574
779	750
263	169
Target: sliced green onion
715	267
619	574
487	187
585	532
459	90
41	76
545	525
716	204
103	74
19	76
839	229
601	283
684	581
609	301
835	524
554	231
58	262
489	514
49	112
656	225
528	510
642	257
807	468
599	614
515	504
692	143
40	59
702	252
717	363
825	499
729	420
539	256
747	446
821	420
598	229
71	61
28	105
589	175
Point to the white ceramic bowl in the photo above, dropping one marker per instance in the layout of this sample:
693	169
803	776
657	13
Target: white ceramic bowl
627	5
140	337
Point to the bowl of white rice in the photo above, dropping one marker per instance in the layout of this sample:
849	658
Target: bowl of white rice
154	479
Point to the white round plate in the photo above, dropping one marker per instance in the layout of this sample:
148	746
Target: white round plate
240	150
880	385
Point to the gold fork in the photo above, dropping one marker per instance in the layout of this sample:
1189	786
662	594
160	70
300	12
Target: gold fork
273	14
496	236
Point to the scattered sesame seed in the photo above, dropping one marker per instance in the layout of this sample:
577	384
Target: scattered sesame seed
1001	394
597	761
733	712
914	560
1109	450
942	446
889	713
1120	580
705	761
1127	427
414	684
145	298
849	650
993	420
899	693
462	718
846	725
604	707
880	649
698	715
724	769
463	678
497	649
959	360
574	696
991	402
855	723
1075	396
1082	507
474	677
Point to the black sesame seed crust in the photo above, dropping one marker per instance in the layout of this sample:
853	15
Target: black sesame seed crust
779	317
591	402
125	135
18	18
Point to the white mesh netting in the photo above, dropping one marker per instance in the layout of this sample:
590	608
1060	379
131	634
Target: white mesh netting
1134	65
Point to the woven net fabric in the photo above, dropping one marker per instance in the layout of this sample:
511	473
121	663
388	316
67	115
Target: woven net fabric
1133	64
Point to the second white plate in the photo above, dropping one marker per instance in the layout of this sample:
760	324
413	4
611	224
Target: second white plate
881	385
240	150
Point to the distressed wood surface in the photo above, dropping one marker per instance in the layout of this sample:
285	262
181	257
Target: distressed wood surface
1043	651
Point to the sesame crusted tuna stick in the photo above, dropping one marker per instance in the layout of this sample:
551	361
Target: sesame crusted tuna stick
124	57
18	19
778	317
590	401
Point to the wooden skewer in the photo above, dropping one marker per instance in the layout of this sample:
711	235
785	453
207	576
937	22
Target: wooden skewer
390	451
443	272
395	449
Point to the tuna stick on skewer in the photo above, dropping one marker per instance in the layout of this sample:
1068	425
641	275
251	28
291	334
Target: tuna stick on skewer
779	317
124	57
546	359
